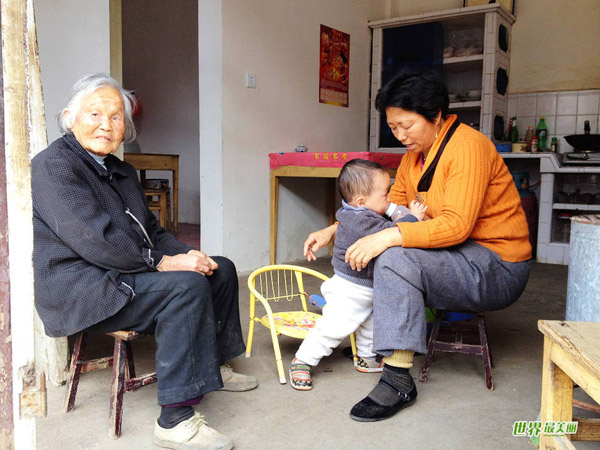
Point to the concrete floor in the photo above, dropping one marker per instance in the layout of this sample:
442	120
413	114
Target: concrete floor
454	409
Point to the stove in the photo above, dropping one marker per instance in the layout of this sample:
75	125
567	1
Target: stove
581	157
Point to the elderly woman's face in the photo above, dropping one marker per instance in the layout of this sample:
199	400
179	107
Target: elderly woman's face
412	129
100	123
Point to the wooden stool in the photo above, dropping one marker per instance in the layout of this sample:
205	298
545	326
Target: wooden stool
123	374
162	204
458	346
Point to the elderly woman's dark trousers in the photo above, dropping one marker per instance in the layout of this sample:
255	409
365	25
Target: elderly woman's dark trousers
467	277
196	324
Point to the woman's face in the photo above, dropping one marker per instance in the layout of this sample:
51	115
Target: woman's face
100	123
412	129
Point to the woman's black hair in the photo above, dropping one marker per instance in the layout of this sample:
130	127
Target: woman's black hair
419	90
356	178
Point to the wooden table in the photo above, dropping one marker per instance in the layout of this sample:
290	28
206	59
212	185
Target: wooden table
155	161
571	355
316	165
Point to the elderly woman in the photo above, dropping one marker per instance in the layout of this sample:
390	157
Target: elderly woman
102	264
471	255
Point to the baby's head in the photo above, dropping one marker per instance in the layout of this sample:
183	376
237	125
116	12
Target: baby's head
365	183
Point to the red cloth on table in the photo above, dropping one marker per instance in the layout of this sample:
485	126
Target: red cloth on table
331	159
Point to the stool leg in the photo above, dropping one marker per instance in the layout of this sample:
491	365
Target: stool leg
74	372
117	389
485	352
130	363
439	315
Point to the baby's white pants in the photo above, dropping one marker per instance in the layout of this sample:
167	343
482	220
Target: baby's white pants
348	309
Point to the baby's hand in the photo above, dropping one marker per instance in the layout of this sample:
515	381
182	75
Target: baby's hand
417	209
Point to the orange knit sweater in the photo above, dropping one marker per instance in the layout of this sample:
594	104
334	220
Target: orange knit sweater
472	196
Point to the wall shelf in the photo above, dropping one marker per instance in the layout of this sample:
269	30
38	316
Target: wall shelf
576	207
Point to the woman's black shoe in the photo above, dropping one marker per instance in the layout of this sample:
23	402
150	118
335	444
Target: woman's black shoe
367	410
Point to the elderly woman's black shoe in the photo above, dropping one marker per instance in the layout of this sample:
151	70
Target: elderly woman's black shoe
368	410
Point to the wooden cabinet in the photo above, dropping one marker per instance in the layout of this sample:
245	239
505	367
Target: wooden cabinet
471	46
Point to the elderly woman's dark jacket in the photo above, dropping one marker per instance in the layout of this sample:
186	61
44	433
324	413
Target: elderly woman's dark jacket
84	239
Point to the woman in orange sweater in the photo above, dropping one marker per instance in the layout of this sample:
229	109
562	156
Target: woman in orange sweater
473	254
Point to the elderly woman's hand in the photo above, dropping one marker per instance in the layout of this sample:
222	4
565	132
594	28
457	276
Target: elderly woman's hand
318	240
194	261
365	249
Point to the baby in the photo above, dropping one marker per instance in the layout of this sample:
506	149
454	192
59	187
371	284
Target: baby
364	187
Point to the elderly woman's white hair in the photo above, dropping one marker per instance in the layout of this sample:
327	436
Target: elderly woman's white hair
87	85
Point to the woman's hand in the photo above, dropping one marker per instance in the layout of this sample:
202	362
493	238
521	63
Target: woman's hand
318	240
365	249
194	261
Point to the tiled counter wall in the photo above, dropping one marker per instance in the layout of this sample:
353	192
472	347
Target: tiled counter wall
565	113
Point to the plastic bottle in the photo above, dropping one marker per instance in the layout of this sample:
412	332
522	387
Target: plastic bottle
542	134
396	212
554	145
528	137
514	131
534	144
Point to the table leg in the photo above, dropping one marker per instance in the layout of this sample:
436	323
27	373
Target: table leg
274	211
557	395
331	209
163	210
176	202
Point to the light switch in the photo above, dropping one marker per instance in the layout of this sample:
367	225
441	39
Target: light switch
250	80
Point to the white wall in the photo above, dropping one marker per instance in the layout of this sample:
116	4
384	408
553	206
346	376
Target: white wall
279	41
73	39
210	79
160	63
555	46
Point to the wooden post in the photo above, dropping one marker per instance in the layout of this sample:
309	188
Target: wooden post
22	104
6	393
51	353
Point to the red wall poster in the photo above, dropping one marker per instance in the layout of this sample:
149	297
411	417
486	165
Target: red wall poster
334	67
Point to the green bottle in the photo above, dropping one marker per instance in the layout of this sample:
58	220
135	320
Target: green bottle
514	131
542	134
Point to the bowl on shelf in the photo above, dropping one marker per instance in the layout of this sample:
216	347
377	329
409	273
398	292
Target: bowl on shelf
473	95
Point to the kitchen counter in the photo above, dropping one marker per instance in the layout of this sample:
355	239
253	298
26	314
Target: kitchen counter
554	213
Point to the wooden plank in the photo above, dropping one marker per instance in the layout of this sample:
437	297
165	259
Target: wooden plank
557	393
18	175
578	373
136	383
581	338
53	354
571	354
6	371
587	430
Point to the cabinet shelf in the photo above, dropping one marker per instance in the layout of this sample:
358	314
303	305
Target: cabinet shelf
476	104
576	207
463	63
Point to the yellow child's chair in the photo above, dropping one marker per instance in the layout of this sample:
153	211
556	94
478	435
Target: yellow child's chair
284	283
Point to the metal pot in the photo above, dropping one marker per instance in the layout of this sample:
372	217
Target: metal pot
584	141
